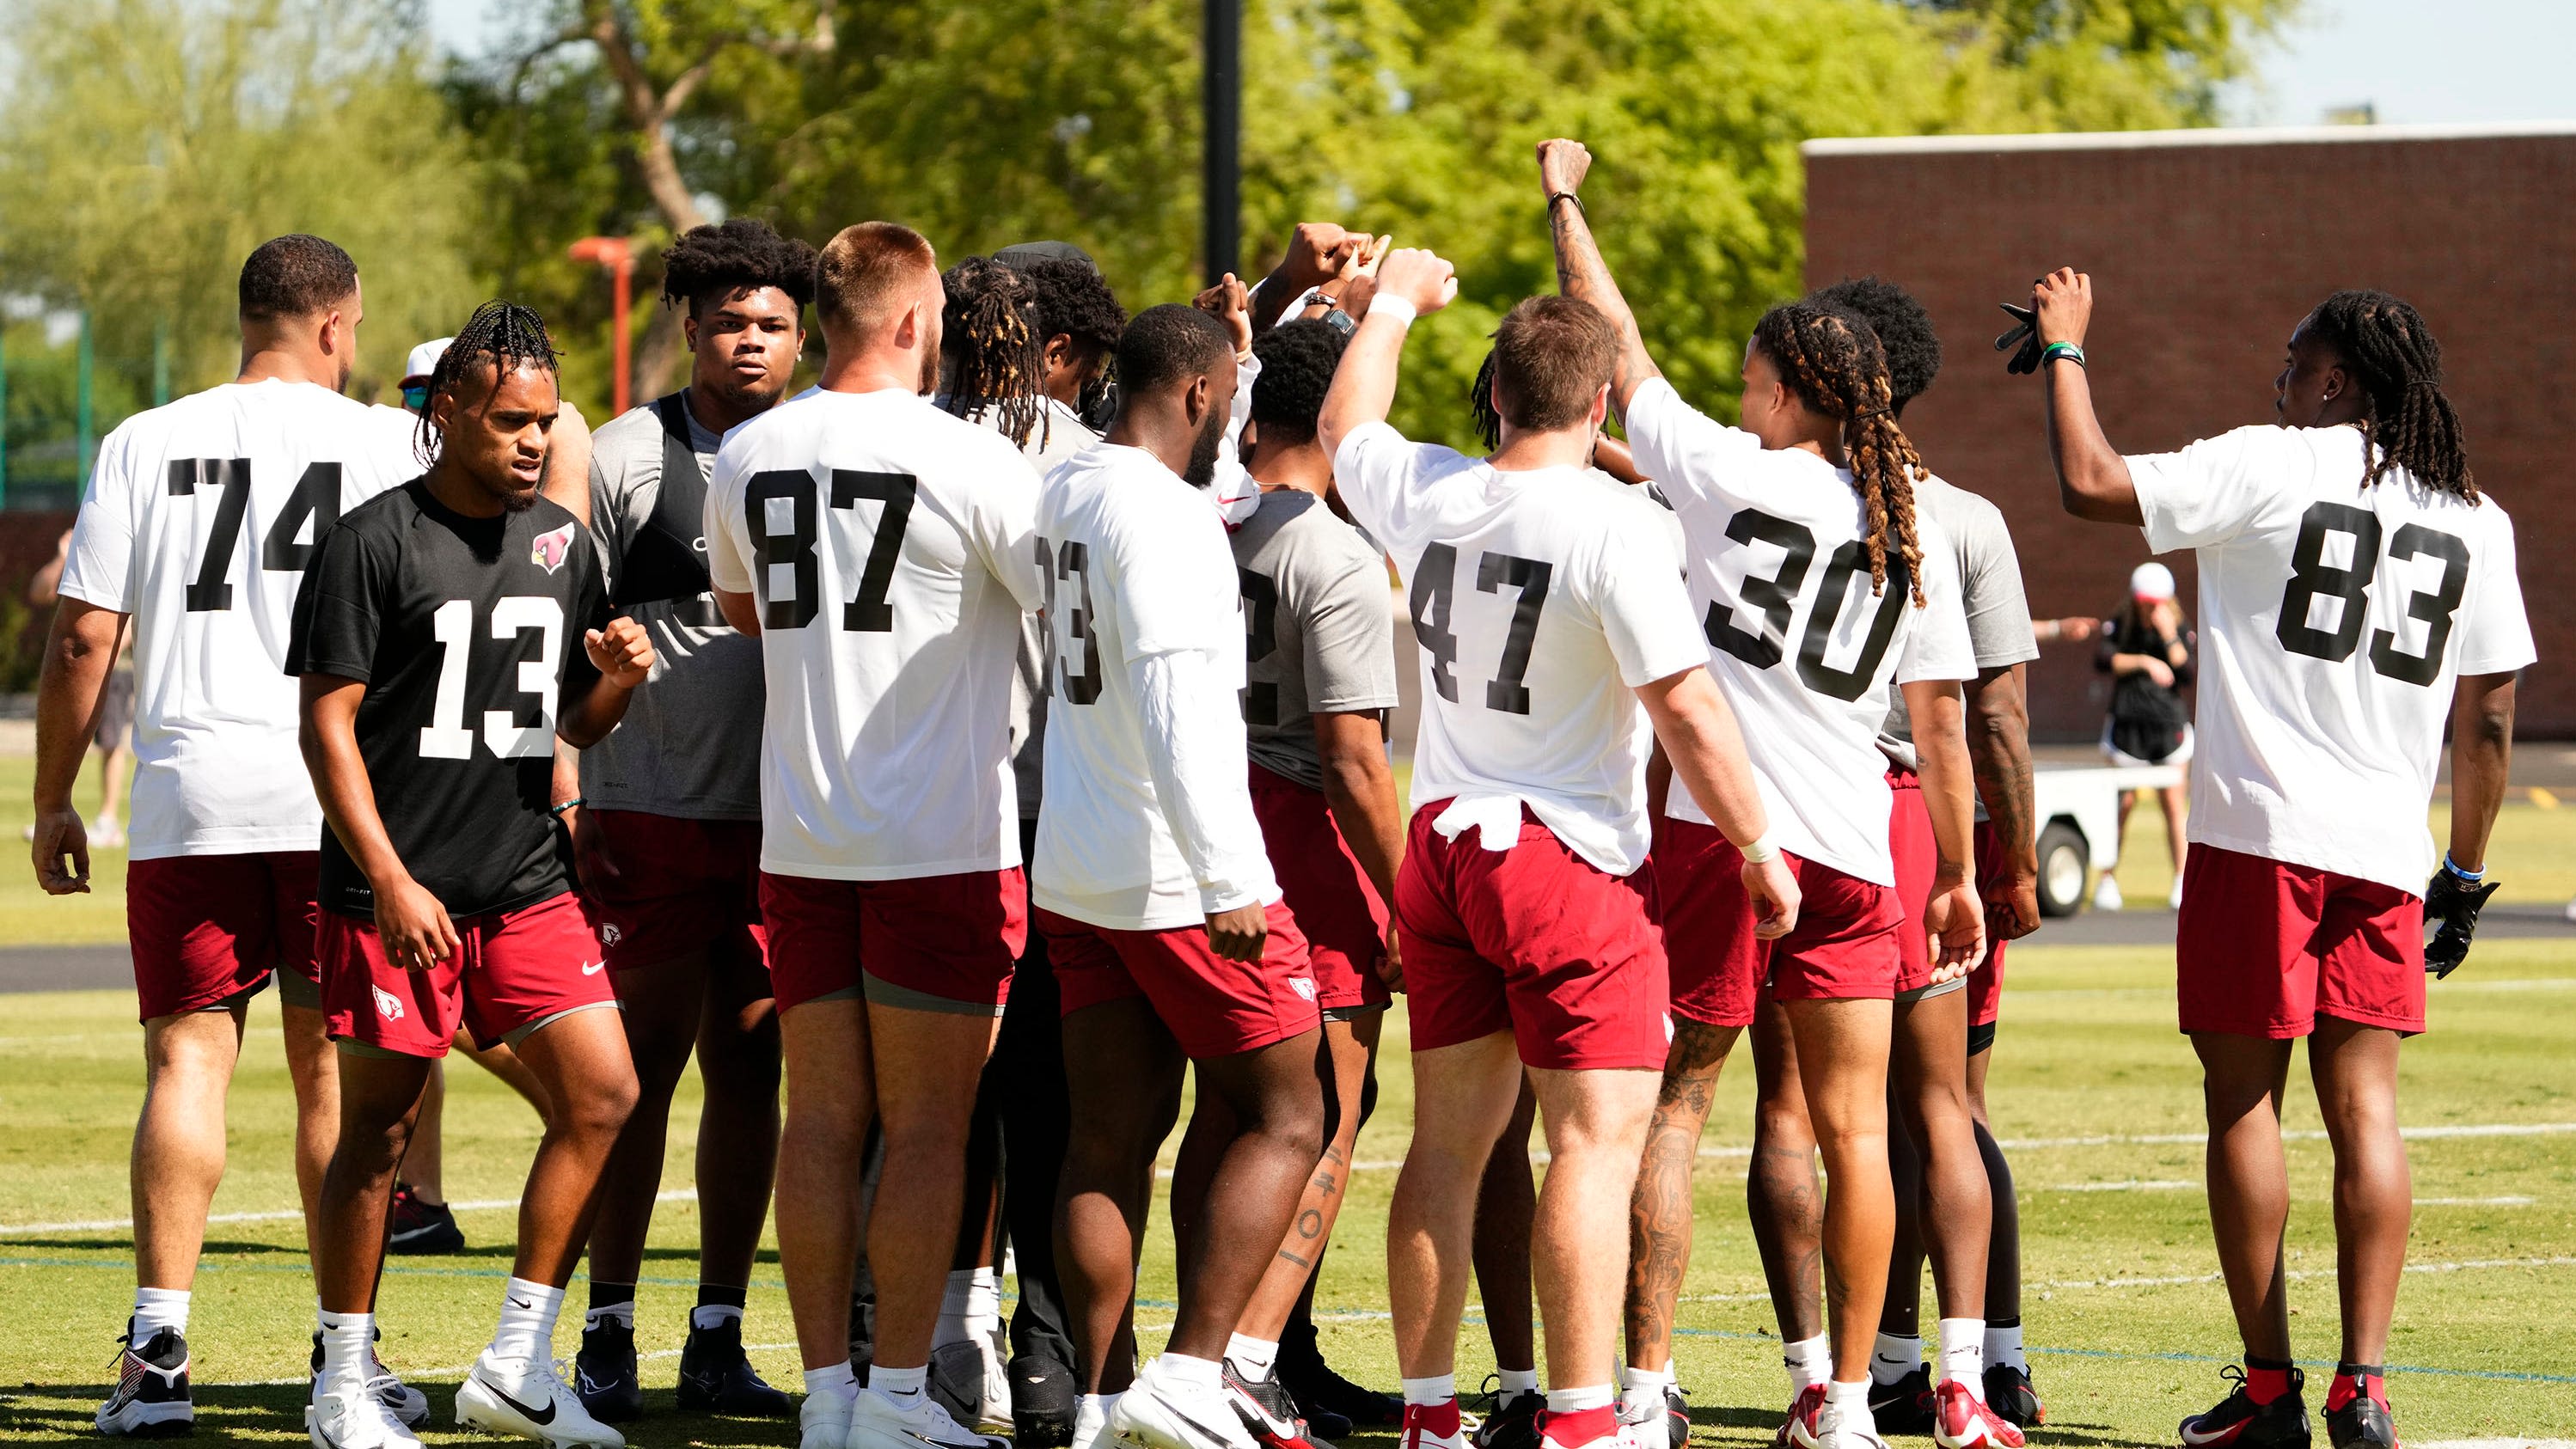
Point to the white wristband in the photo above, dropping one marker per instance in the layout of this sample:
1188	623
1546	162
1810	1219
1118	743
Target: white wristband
1761	852
1388	305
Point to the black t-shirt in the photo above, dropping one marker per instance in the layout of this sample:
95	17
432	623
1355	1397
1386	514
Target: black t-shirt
2147	718
467	633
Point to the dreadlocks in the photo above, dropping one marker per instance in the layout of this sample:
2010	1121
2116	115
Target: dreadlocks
1480	397
991	346
710	263
2393	355
1834	363
504	334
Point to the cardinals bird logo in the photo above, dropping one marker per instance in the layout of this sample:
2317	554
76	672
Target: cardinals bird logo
551	549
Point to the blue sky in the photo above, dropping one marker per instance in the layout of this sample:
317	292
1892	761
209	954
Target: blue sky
2415	60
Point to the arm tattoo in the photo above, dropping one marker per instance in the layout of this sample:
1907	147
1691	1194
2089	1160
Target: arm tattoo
1584	276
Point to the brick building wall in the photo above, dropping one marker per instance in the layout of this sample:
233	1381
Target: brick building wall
2206	248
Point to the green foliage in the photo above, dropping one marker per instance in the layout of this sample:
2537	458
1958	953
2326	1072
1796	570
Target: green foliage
147	145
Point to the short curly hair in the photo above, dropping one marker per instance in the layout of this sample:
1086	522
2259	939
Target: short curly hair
1073	301
1904	332
710	263
1297	362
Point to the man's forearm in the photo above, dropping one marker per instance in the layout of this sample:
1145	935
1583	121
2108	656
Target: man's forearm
1364	383
79	652
589	722
1360	791
1583	275
2481	756
1999	757
1706	747
2092	478
566	783
329	739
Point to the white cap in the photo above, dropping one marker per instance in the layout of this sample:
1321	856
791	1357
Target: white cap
2152	582
424	358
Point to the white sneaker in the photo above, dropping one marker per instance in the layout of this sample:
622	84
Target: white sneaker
997	1376
1832	1426
355	1418
972	1384
407	1404
2106	896
529	1401
877	1422
1155	1415
1091	1420
824	1421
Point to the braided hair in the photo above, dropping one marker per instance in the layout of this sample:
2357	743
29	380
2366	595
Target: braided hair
1833	362
1480	398
992	348
504	334
2399	365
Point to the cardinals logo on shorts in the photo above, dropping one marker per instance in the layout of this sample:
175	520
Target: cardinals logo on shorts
609	934
1304	986
388	1005
551	549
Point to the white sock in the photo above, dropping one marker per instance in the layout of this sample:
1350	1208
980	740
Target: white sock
527	1331
1517	1382
1253	1358
1641	1398
348	1343
968	1308
2003	1346
606	1312
1091	1418
1181	1371
903	1386
1438	1390
1575	1401
159	1308
714	1315
1898	1354
1963	1352
1849	1403
839	1381
1810	1361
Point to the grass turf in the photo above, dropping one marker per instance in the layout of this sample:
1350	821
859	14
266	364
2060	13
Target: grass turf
2128	1328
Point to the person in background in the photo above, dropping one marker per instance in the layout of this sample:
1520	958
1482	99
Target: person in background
2146	648
113	735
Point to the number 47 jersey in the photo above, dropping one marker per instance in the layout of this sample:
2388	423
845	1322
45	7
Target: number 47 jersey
2335	618
199	521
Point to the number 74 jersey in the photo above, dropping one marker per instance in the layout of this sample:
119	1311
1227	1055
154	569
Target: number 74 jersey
2336	617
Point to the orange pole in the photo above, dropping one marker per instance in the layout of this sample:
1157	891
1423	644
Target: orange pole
621	383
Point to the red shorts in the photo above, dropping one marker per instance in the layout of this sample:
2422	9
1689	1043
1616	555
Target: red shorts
1986	983
207	928
1333	900
682	886
929	943
1844	947
1535	939
514	970
2264	947
1918	856
1212	1006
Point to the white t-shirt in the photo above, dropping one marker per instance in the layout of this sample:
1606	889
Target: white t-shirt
890	548
1780	579
1540	599
1136	836
198	522
2334	619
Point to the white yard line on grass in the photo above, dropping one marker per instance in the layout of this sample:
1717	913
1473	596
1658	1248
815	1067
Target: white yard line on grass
109	1225
440	1375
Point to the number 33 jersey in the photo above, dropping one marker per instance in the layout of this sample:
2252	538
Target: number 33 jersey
467	633
1807	655
1540	599
199	521
2335	618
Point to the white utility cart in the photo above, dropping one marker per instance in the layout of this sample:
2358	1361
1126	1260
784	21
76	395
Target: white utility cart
2077	810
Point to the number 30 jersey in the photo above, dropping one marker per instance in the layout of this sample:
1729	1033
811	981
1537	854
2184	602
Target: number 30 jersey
199	521
467	633
1808	656
2335	618
891	551
1540	599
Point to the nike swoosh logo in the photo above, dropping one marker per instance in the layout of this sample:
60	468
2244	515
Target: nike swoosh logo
2221	1437
531	1415
593	968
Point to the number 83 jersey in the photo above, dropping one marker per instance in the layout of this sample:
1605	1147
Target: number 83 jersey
1801	647
2335	618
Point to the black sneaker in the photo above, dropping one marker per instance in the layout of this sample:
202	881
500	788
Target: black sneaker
1268	1414
421	1227
716	1376
150	1400
2362	1424
2009	1394
1511	1422
604	1373
1043	1403
1905	1406
2238	1420
1324	1396
1676	1417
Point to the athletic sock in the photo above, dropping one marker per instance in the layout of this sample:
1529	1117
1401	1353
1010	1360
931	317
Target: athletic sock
2353	1380
348	1340
972	1296
1641	1397
1897	1355
1810	1362
609	1301
1963	1353
1850	1404
717	1306
527	1331
1431	1405
1253	1358
1183	1371
904	1386
2266	1379
2003	1344
839	1380
1517	1382
1580	1416
159	1308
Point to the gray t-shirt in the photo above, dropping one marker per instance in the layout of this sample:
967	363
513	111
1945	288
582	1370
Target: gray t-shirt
690	743
1320	629
1989	590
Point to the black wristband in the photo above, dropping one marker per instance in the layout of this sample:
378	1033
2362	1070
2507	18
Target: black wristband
1554	197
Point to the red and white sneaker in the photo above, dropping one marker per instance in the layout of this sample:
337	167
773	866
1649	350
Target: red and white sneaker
1817	1422
1810	1402
1423	1424
1961	1420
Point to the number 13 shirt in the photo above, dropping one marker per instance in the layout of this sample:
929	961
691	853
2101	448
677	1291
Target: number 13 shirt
2335	618
467	633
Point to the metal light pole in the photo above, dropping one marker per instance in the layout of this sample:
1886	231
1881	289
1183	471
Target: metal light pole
88	436
1221	88
613	253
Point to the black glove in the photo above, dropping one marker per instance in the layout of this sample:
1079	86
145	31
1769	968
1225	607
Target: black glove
2026	332
2454	903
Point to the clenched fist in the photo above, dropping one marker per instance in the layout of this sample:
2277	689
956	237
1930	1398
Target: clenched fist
1418	277
622	652
1562	165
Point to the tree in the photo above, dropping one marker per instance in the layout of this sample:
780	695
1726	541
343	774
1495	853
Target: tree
147	145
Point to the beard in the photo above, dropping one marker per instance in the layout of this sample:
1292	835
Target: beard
1202	469
929	373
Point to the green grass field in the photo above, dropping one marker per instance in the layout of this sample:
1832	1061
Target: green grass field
2128	1328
